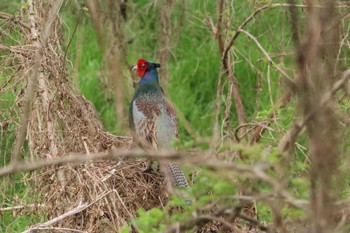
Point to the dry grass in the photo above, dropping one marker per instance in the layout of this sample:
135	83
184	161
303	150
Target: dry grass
62	121
101	196
113	191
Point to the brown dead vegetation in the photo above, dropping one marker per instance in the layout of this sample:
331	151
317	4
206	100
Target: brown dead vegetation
98	196
103	195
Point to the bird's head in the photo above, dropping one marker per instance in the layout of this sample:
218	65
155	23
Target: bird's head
143	66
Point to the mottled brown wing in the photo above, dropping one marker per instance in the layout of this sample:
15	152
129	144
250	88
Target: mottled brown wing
172	115
144	116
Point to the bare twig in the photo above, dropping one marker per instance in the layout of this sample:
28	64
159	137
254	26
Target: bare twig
80	207
290	137
255	172
268	56
96	22
110	51
56	229
294	22
233	89
254	222
316	62
281	102
14	18
165	37
285	99
74	31
19	207
252	16
203	219
218	34
216	129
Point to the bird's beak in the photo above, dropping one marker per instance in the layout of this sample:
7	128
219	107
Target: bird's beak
135	68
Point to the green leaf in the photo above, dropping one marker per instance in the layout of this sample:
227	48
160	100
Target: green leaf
125	229
156	213
223	188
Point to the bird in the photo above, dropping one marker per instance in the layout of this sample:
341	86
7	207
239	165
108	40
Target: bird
153	121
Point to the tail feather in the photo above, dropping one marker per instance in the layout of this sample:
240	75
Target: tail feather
177	176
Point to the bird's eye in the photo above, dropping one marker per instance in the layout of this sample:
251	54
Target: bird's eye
143	65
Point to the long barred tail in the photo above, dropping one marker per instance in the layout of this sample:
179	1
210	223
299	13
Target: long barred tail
177	176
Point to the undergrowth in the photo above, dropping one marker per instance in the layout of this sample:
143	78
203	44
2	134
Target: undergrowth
193	73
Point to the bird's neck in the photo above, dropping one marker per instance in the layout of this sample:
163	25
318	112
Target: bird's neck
150	77
149	83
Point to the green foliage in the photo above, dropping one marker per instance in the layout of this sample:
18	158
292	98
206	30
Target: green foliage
125	229
150	221
195	59
206	189
14	193
194	66
264	212
222	189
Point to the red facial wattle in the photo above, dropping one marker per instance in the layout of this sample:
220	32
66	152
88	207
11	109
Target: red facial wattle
142	66
141	71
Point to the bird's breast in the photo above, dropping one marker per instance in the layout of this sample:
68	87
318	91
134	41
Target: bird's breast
154	122
166	129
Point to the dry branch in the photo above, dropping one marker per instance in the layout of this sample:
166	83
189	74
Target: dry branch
233	89
29	96
294	22
255	172
218	30
290	137
216	217
72	122
79	208
165	36
259	130
19	207
15	19
73	211
252	16
267	56
109	40
65	179
315	58
284	100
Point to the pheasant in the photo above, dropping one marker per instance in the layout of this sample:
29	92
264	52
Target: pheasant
153	119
